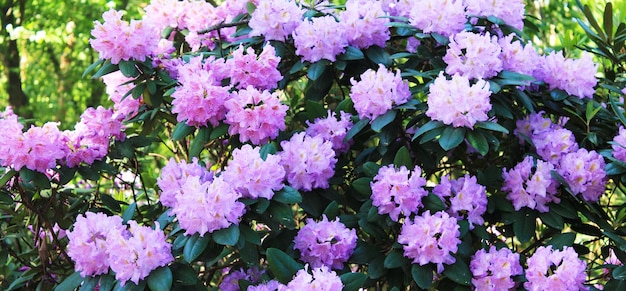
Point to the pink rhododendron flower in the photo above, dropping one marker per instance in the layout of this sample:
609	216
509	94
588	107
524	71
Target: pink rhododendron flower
118	40
136	252
530	185
517	58
364	23
320	279
619	145
574	76
253	176
550	269
551	140
584	172
467	198
308	161
200	98
430	239
475	56
395	193
174	175
445	17
246	70
89	240
256	116
117	87
40	148
275	19
207	206
325	243
493	269
512	12
319	38
378	91
455	102
333	130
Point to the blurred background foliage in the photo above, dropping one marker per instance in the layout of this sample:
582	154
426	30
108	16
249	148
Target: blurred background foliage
44	49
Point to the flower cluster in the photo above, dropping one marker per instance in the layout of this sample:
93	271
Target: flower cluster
256	116
475	56
200	97
98	242
247	69
518	58
395	193
320	278
249	174
364	23
231	280
574	76
119	40
455	102
325	243
530	189
555	270
378	91
207	206
512	12
117	85
430	239
174	175
550	139
319	38
493	269
275	20
584	172
446	17
467	198
308	161
332	129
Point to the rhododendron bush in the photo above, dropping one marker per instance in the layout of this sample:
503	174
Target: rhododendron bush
286	145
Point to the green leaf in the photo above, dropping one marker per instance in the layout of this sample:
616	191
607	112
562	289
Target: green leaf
619	273
362	185
5	179
227	236
403	158
552	219
332	210
317	69
282	265
70	283
608	21
107	282
110	202
520	79
433	124
371	169
219	131
356	128
451	137
288	195
353	281
283	214
128	68
129	212
558	95
107	68
524	225
160	279
195	246
197	145
184	274
383	120
250	7
92	67
422	275
491	126
459	272
89	283
561	240
394	259
376	268
378	55
182	130
478	141
267	149
351	54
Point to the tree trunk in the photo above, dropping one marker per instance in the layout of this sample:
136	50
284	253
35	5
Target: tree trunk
10	57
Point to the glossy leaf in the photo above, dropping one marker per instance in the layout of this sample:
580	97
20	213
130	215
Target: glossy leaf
227	236
160	279
282	265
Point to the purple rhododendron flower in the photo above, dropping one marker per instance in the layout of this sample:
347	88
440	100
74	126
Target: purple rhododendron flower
256	116
550	269
530	185
619	145
320	279
512	12
136	252
308	161
475	56
378	91
493	269
584	172
319	38
365	24
430	239
332	129
467	198
248	69
249	174
455	102
231	280
550	139
275	19
518	58
174	175
574	76
325	243
445	17
395	193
